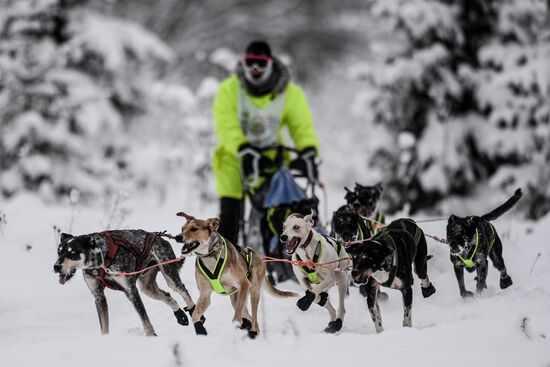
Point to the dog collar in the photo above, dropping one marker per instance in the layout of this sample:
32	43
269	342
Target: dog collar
308	239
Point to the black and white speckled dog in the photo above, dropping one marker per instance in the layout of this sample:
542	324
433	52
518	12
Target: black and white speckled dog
123	251
387	260
472	239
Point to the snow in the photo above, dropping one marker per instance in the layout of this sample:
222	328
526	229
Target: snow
46	324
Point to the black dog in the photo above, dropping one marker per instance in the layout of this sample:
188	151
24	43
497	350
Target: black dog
387	260
355	221
473	239
362	201
103	255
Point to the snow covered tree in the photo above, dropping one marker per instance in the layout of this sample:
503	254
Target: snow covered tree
71	81
463	96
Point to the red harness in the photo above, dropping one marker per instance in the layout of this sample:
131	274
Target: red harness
113	245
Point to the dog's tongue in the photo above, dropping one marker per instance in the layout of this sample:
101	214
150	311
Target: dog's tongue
62	279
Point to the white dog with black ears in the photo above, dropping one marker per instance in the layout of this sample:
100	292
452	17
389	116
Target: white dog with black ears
306	244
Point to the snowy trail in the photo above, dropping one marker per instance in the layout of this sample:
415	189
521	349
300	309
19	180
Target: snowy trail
45	324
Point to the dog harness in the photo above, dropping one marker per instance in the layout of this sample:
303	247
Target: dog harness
469	262
377	221
114	243
215	277
311	273
393	271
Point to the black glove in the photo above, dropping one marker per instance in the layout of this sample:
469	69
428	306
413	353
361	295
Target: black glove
250	155
253	161
305	163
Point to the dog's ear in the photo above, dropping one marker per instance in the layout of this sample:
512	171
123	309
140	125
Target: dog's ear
348	190
87	241
309	219
66	236
452	218
213	224
358	186
188	217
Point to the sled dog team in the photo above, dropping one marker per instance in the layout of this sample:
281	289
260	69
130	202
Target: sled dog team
123	259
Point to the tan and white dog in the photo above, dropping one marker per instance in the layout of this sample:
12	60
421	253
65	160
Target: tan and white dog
226	269
304	243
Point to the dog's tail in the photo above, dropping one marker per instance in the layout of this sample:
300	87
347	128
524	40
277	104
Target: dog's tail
277	292
504	207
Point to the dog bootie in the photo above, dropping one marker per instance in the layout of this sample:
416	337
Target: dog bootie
190	311
181	317
246	325
334	326
199	328
505	282
306	301
252	334
466	294
428	291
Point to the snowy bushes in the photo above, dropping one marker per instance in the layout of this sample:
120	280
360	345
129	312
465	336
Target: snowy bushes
72	83
470	81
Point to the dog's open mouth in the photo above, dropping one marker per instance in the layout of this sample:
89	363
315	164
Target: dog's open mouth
64	277
188	247
292	244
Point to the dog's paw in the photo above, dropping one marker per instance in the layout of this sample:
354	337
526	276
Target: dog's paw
181	317
252	334
323	298
246	324
382	296
334	326
190	311
466	294
199	328
505	282
306	301
428	291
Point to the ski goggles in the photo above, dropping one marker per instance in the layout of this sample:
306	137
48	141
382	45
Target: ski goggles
258	62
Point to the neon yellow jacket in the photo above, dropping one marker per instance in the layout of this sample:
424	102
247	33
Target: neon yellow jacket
225	161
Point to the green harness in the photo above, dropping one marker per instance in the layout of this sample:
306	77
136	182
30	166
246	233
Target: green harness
311	273
469	262
216	276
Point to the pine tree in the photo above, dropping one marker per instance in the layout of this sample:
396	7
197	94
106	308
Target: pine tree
463	96
71	81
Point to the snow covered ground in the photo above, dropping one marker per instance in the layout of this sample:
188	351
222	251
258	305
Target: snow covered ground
45	324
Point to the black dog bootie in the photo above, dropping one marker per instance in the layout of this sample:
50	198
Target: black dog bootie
199	328
181	317
306	301
505	282
428	291
334	326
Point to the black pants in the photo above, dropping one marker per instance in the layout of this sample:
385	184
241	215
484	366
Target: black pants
230	214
